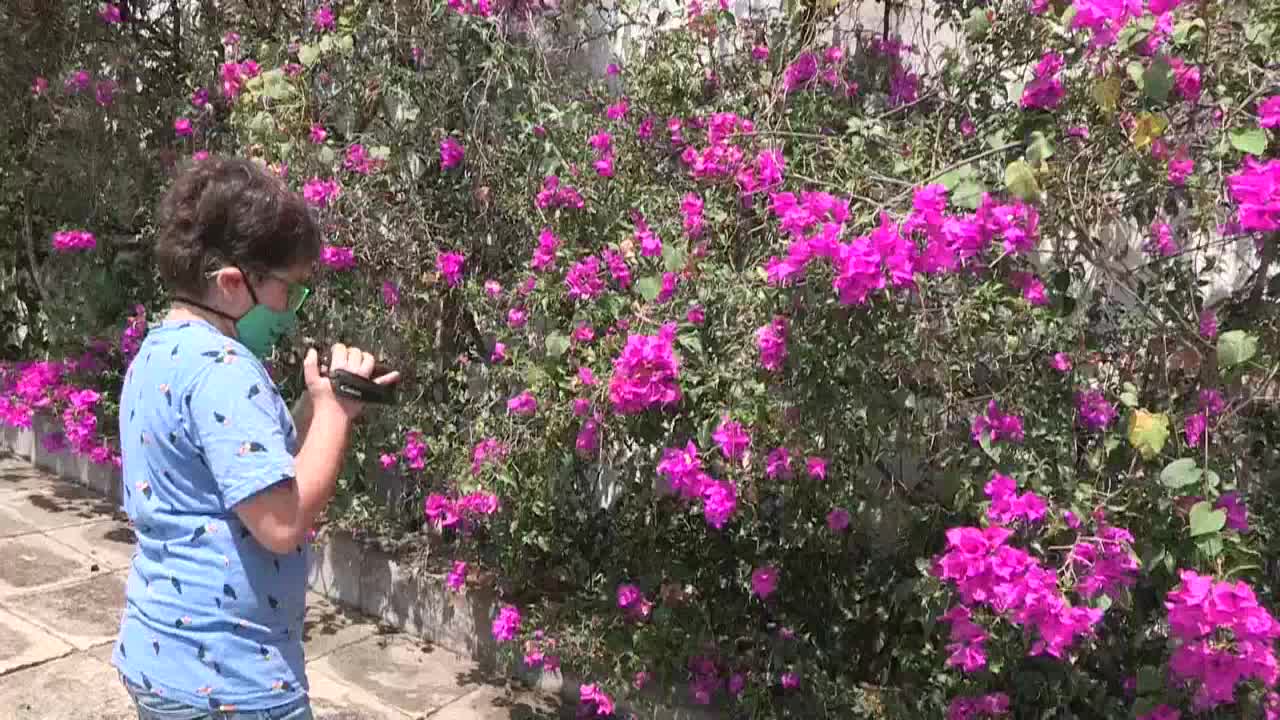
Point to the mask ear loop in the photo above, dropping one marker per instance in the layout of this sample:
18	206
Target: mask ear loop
253	295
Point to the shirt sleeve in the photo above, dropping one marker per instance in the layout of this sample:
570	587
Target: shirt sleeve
241	425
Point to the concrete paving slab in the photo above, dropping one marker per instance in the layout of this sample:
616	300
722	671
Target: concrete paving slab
491	702
63	506
12	524
72	688
333	699
410	676
17	476
34	561
23	644
84	614
329	627
110	543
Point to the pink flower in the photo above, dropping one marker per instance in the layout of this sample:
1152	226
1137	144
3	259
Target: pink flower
387	460
323	19
732	439
516	318
612	70
200	97
1208	324
523	404
338	258
1161	712
646	373
77	81
1045	90
199	155
39	86
457	577
696	315
838	519
507	624
764	581
760	53
499	353
586	377
1237	512
1195	428
1161	242
1186	79
321	192
691	207
618	110
594	697
359	161
1269	112
104	92
493	289
1061	362
110	14
790	681
584	281
390	294
641	679
1095	412
1180	167
449	264
182	127
1031	287
996	425
451	153
778	464
65	241
772	342
318	134
816	467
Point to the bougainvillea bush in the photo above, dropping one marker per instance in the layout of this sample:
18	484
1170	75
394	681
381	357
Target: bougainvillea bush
787	377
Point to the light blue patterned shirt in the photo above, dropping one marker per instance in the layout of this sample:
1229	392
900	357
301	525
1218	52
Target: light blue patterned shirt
212	618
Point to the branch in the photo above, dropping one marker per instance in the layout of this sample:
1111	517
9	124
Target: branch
957	164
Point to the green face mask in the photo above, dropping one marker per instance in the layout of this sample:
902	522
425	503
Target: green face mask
261	328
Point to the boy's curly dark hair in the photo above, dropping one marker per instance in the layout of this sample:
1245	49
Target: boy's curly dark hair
231	211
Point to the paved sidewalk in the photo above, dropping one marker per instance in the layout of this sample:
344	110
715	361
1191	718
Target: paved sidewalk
64	557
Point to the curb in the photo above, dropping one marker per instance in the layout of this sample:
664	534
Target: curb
358	576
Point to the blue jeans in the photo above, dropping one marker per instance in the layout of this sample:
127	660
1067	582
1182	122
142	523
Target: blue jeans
154	707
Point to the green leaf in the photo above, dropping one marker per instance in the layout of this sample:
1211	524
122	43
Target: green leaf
346	44
673	257
1235	348
326	155
1186	30
649	287
1148	432
1180	473
968	194
992	451
557	344
953	178
1252	141
380	152
308	55
1206	520
692	342
978	24
1039	150
1129	398
1150	680
1136	73
1021	180
1210	545
1106	93
1157	80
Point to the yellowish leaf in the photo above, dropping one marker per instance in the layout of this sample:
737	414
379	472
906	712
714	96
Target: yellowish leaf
1148	432
1147	128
